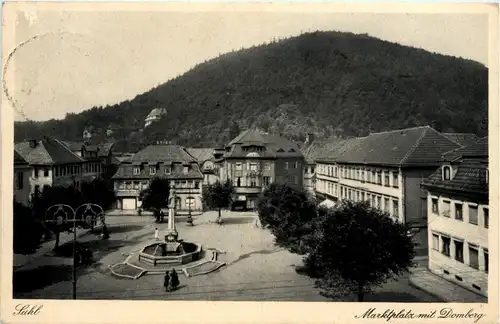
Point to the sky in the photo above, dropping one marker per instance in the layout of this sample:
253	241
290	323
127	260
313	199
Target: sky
72	60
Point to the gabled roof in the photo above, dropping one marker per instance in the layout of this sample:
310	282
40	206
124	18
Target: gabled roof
464	139
470	177
201	154
18	159
276	146
166	153
477	150
411	147
105	148
332	149
74	146
48	151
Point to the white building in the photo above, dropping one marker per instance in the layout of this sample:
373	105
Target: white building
386	169
22	186
458	214
155	115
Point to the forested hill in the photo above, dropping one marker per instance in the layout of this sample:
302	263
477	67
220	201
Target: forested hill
328	83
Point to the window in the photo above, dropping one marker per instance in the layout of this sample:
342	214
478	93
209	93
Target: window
395	180
186	169
136	185
459	251
238	166
267	166
362	175
362	196
435	206
395	208
435	242
386	204
296	165
152	170
168	170
286	165
387	179
19	180
473	215
473	257
446	209
379	202
253	182
458	212
374	176
486	261
238	182
446	172
486	217
266	181
137	171
368	176
379	177
445	249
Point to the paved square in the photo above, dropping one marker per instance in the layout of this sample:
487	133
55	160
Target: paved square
255	268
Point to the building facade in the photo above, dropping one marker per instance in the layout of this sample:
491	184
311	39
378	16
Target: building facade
155	115
253	160
53	163
310	150
169	161
22	185
207	163
99	158
386	169
458	209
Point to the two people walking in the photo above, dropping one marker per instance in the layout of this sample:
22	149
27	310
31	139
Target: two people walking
171	280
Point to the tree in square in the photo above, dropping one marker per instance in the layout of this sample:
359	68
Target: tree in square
218	196
155	197
27	231
357	248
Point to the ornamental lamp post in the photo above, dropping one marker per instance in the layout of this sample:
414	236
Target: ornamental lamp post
71	215
189	218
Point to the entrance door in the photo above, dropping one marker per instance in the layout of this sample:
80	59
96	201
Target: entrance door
129	204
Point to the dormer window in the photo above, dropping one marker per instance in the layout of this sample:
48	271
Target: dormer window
281	150
446	172
186	169
152	170
168	170
291	150
137	171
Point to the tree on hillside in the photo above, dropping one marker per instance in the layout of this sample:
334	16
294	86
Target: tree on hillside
234	130
27	231
155	197
288	213
356	249
218	196
53	196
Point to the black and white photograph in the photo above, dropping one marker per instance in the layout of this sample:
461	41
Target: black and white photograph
253	153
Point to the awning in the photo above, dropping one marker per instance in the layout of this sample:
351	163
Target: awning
327	203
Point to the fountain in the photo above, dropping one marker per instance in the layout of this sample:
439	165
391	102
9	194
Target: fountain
171	251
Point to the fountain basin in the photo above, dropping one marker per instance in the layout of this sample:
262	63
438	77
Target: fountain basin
170	253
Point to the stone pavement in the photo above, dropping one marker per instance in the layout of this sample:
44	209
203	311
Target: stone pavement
425	280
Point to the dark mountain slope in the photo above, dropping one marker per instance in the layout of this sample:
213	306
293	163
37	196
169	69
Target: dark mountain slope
329	83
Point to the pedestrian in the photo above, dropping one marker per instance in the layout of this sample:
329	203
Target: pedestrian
157	234
174	279
166	281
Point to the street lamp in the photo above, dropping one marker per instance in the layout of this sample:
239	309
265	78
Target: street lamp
88	215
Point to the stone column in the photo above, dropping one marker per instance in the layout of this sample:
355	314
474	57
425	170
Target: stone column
172	234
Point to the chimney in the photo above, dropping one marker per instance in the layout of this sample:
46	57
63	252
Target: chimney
310	138
33	143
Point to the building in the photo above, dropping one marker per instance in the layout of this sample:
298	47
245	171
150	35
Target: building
22	185
95	154
54	164
207	163
253	160
386	169
155	115
168	161
459	217
310	149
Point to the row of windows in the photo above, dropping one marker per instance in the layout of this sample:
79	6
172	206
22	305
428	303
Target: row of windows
154	170
388	204
375	176
454	248
141	185
290	165
445	210
252	166
251	181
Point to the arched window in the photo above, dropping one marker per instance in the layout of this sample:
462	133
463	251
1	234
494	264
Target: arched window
190	202
446	172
